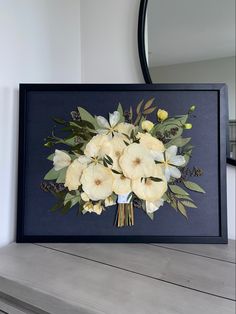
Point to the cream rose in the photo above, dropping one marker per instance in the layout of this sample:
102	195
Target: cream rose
148	189
136	162
114	149
73	175
95	146
124	128
97	182
121	184
150	142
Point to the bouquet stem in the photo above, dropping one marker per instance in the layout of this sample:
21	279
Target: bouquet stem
125	215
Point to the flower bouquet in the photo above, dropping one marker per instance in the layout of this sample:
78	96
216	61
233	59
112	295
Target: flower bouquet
126	160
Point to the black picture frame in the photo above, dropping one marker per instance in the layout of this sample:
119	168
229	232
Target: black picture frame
221	91
143	59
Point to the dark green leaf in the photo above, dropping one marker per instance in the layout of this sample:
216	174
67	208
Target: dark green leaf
155	179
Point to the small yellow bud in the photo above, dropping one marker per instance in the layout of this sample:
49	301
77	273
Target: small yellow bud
188	126
147	125
192	108
162	115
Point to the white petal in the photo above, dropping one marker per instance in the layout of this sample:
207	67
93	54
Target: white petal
114	118
102	122
61	160
174	172
84	159
171	152
177	160
151	207
157	156
167	173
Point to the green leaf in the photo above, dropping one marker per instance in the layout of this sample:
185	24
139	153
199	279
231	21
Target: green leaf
148	103
139	107
66	208
50	157
116	172
62	175
193	186
85	115
73	199
179	142
177	190
188	204
182	209
185	197
56	207
59	121
155	179
150	110
121	112
52	174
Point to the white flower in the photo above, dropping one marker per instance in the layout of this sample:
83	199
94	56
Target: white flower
136	162
124	128
109	201
149	190
108	127
95	146
97	182
61	160
121	184
84	197
169	160
150	142
73	175
151	207
114	149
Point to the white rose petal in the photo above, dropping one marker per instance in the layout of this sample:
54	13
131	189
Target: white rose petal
114	118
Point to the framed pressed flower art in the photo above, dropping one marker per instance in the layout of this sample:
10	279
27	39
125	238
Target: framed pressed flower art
122	163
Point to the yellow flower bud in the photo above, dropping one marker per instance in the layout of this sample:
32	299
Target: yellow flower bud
192	108
147	125
188	126
162	115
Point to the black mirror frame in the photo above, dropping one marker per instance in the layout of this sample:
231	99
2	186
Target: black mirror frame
142	52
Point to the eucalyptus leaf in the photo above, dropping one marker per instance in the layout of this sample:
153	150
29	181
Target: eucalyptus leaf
177	190
62	175
52	174
193	186
85	115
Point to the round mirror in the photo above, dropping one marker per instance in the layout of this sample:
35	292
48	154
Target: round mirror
190	41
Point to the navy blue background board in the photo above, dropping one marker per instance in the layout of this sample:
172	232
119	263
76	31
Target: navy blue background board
40	103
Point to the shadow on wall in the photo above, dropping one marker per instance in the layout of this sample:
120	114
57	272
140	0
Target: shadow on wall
9	112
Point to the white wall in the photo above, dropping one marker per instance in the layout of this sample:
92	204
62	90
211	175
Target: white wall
208	71
39	42
109	41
